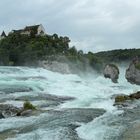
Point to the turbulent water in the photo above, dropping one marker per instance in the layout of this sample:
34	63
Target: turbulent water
89	91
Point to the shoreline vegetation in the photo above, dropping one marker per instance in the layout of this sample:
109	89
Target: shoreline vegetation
23	50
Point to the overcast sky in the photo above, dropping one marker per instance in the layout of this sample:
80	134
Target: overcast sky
92	25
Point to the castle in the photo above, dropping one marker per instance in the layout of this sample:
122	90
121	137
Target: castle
3	35
36	30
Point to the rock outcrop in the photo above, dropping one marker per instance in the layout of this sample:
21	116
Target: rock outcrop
111	71
123	98
7	111
133	131
133	72
55	66
127	101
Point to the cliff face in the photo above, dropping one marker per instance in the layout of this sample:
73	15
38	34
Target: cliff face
55	66
133	72
111	71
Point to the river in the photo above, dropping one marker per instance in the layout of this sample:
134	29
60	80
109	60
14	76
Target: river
76	119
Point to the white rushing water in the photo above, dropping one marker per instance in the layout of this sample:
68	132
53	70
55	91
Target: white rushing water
90	91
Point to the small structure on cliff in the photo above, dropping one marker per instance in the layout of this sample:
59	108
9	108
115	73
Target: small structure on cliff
35	30
3	35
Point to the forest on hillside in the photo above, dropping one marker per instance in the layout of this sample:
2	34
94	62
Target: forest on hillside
20	50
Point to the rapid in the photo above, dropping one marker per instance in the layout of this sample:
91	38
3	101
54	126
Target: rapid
62	120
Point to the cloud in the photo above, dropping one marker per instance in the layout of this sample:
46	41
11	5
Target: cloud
92	25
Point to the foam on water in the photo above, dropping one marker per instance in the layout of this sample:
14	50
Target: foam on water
100	128
92	91
42	134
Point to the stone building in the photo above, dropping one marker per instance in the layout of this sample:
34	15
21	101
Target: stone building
36	30
3	35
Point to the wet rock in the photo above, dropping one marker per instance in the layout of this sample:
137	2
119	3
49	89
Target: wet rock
133	72
122	105
132	119
55	66
123	98
133	132
51	100
47	97
81	114
8	110
29	113
111	71
1	116
14	88
135	95
126	122
65	120
116	95
30	77
26	113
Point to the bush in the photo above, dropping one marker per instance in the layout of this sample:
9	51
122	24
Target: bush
27	105
121	98
137	66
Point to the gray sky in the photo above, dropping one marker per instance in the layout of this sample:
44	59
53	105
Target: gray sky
92	25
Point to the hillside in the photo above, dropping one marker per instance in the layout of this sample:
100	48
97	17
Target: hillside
118	55
24	50
17	49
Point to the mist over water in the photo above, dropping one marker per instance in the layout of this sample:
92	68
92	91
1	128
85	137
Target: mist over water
89	90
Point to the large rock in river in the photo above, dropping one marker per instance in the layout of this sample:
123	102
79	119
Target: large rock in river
133	72
111	71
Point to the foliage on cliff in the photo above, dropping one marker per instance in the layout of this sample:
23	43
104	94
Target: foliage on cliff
17	49
20	49
137	66
118	55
